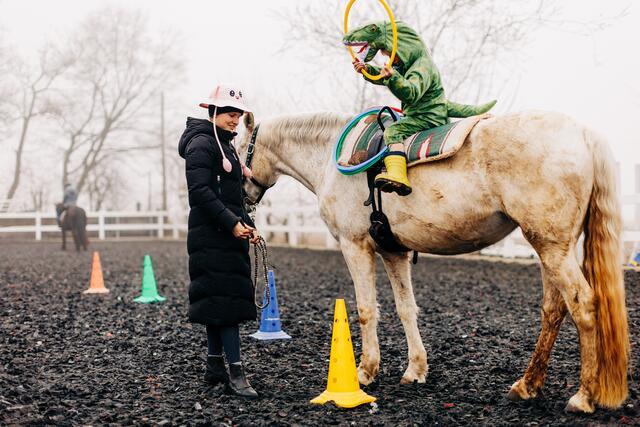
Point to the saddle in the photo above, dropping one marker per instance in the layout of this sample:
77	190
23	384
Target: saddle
361	147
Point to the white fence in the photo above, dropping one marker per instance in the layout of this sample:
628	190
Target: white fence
104	222
293	224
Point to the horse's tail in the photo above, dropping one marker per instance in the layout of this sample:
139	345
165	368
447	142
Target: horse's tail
603	270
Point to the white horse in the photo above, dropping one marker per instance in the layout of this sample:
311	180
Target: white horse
540	171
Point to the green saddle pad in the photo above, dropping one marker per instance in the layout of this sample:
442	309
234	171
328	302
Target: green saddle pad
361	140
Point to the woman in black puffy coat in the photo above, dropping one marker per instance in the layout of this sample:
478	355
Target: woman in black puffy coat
221	293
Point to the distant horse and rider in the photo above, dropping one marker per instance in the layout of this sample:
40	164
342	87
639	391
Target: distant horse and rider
72	218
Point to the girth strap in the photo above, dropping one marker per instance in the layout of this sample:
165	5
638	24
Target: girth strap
380	228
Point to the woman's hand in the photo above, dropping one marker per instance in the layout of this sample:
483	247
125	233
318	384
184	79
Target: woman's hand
255	236
241	231
358	66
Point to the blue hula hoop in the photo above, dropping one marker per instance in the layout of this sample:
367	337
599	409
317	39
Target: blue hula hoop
352	170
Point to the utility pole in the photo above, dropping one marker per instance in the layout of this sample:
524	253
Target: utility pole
149	191
162	151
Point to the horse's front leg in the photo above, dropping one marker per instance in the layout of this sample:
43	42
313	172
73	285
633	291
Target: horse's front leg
398	268
360	259
64	239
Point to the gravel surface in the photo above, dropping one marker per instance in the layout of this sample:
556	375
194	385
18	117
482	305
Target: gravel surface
68	358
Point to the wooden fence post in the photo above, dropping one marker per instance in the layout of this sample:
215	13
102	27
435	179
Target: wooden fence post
101	231
161	224
292	236
38	218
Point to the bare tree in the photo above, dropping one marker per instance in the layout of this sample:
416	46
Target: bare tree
30	99
114	89
7	85
177	184
104	183
476	44
37	186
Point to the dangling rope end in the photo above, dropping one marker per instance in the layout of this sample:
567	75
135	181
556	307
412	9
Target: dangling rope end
261	246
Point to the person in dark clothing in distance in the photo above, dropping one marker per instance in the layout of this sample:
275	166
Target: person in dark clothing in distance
70	198
221	292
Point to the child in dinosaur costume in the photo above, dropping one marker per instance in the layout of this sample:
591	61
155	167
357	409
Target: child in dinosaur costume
415	80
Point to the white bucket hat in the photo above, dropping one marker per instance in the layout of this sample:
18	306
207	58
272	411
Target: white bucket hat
226	96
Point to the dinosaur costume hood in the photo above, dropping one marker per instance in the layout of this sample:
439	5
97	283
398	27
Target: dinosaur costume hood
368	39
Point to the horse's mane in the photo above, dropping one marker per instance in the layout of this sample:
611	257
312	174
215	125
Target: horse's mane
306	127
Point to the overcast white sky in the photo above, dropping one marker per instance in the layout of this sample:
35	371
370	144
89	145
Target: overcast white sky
592	78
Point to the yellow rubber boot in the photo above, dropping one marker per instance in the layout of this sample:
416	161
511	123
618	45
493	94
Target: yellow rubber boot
394	180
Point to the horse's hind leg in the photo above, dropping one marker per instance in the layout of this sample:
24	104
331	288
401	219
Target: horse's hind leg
64	239
76	240
553	312
562	270
360	260
580	299
398	268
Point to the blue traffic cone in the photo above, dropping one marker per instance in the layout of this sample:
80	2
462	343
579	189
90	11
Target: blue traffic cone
635	259
270	326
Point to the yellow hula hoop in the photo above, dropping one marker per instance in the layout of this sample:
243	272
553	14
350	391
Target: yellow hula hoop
393	28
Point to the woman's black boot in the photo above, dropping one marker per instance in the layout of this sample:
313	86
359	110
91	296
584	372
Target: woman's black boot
238	383
216	372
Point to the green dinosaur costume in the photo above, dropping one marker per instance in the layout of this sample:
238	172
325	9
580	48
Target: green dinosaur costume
416	82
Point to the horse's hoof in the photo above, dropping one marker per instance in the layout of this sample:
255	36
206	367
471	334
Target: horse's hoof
410	376
514	396
518	392
364	377
410	380
579	403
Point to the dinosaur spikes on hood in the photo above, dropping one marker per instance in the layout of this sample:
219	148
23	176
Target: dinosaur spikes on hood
367	40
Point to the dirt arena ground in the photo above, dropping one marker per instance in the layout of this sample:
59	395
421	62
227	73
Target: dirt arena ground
73	359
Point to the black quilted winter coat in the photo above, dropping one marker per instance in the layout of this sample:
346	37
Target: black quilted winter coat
221	289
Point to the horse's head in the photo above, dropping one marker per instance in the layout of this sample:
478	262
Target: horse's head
299	146
255	153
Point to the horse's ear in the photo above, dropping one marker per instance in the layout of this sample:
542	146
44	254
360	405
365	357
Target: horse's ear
249	121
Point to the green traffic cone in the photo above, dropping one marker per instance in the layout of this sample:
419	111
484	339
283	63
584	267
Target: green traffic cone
149	289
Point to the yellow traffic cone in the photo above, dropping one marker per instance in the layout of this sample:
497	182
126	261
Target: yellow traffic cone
342	384
96	285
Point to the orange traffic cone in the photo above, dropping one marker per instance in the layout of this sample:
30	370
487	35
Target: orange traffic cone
342	383
96	285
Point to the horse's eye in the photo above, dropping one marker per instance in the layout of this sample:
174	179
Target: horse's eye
373	28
